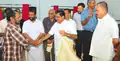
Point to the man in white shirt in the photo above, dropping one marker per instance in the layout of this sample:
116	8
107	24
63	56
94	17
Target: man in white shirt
3	23
77	19
77	16
69	20
59	29
105	35
33	30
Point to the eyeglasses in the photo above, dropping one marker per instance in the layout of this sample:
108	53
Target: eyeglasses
57	17
51	13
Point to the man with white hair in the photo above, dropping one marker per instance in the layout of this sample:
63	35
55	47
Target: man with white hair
48	22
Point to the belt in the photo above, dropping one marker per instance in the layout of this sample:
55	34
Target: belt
88	31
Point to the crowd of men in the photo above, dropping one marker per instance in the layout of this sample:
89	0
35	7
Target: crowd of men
90	34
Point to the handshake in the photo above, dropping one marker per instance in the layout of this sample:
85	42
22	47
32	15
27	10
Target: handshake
38	41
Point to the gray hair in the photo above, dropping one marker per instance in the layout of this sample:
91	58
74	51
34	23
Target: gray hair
103	4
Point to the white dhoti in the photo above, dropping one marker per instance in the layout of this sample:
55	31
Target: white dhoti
36	54
100	59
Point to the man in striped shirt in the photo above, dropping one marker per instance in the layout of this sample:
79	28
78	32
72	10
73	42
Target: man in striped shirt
14	43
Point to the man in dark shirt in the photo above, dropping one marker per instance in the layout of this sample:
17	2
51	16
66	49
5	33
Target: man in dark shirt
48	22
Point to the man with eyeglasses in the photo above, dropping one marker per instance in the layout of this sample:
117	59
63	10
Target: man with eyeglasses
62	30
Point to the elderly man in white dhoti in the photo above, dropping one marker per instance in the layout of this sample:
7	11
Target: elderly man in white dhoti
64	34
105	35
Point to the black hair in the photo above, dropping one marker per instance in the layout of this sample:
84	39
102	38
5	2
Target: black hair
90	1
103	4
61	12
68	10
8	10
10	14
32	9
81	4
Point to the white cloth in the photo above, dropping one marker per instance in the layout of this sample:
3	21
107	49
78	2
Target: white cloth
101	45
67	27
33	29
36	55
77	19
3	24
99	59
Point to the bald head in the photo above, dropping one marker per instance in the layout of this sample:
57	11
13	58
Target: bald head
52	10
104	5
51	13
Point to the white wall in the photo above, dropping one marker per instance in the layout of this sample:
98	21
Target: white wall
44	5
33	2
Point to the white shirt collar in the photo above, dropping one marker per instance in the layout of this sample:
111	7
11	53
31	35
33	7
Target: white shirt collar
68	20
62	22
105	17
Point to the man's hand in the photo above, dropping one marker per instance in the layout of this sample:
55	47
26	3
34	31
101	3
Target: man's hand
90	14
49	41
35	43
63	33
40	36
43	34
115	41
40	41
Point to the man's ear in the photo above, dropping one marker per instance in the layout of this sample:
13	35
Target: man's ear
11	18
89	3
63	17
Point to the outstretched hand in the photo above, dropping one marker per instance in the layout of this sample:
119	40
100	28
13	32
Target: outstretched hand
35	43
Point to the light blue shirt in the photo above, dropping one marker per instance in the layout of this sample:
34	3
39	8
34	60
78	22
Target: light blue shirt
91	25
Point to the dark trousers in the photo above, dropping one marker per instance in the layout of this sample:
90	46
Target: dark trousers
86	38
47	54
1	50
78	44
